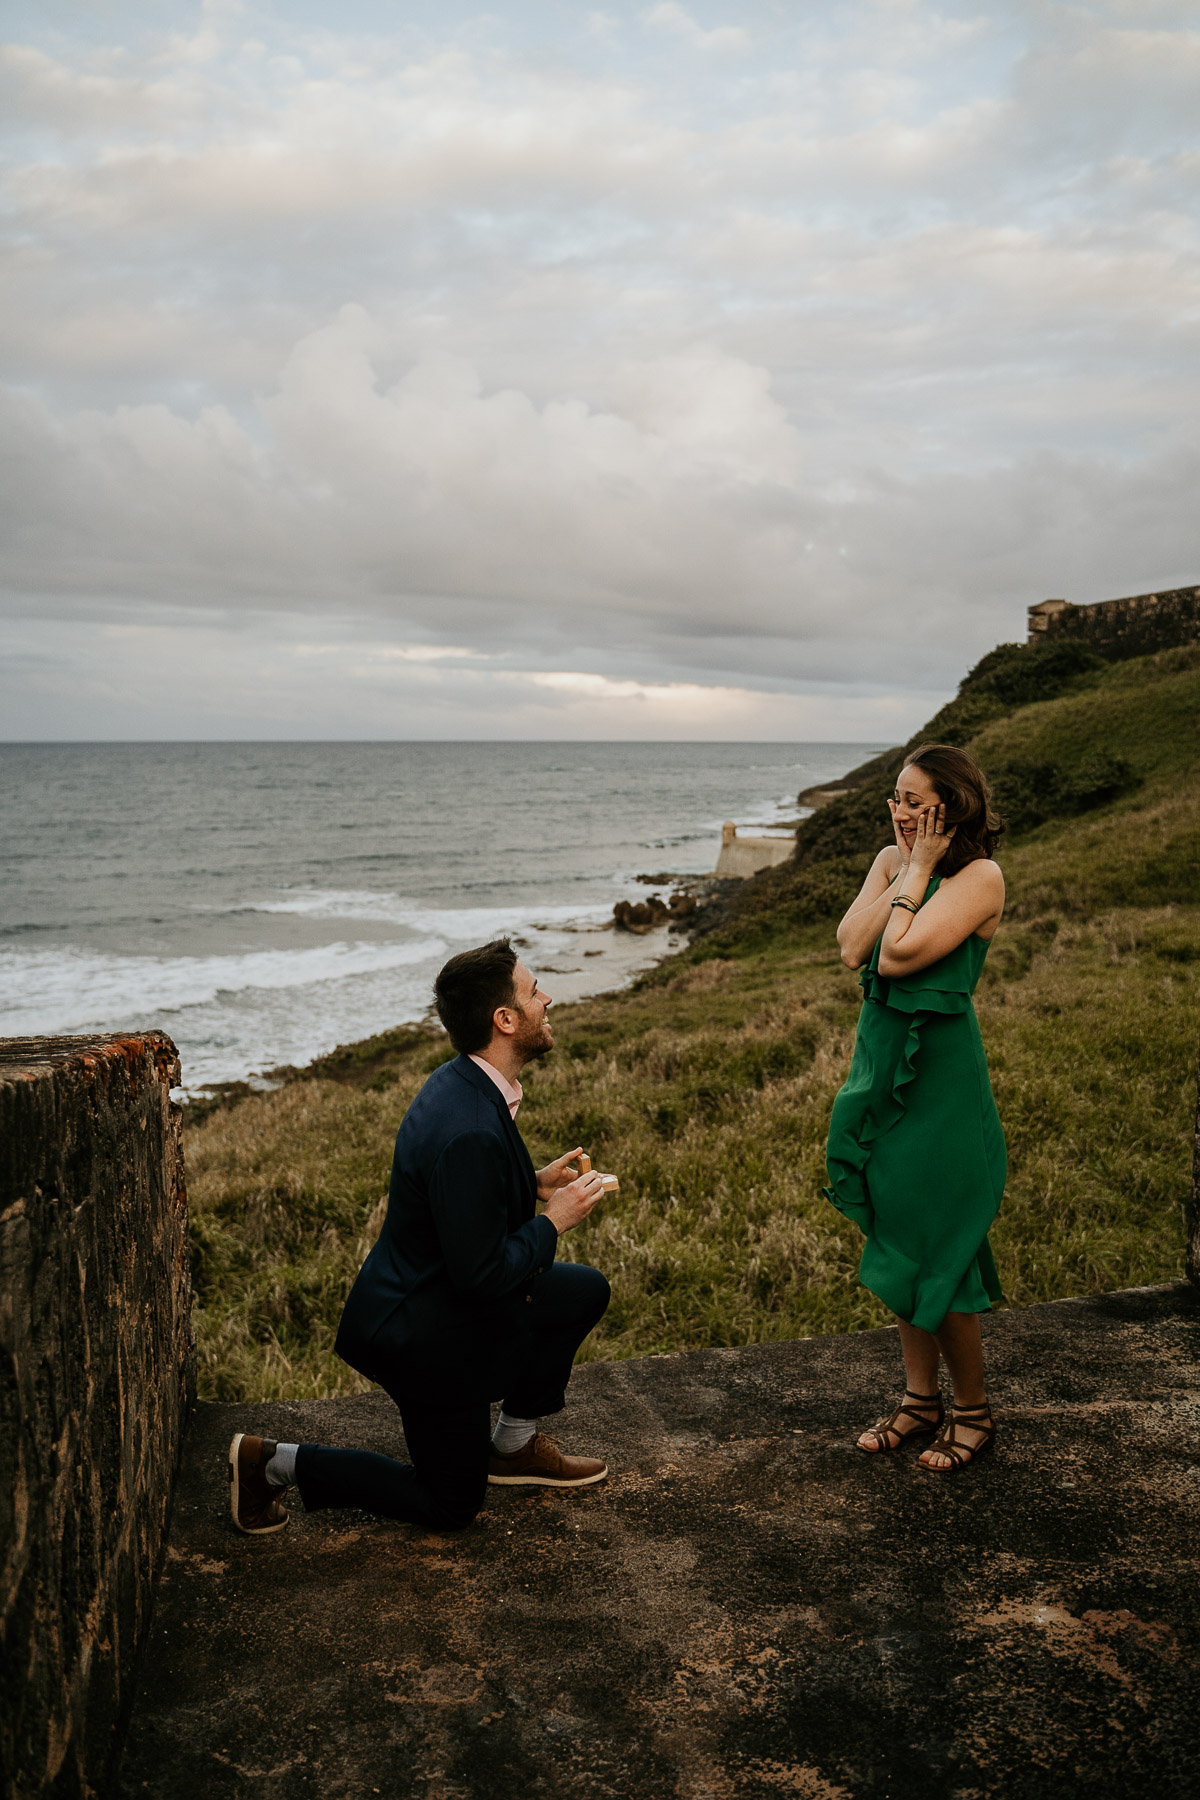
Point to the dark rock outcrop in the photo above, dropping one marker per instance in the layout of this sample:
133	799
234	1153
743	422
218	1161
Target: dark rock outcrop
642	916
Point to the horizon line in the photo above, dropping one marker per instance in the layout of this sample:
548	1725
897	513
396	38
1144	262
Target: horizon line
135	743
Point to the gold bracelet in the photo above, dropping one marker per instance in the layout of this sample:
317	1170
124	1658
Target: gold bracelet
909	905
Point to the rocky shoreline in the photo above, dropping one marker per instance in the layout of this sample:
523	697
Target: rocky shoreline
603	959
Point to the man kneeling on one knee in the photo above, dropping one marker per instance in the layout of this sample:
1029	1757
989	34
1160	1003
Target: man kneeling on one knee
461	1301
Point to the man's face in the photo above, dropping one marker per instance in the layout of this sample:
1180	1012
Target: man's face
533	1036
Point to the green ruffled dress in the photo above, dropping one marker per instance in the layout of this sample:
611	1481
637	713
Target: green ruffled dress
916	1152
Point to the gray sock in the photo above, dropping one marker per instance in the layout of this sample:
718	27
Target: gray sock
281	1470
512	1435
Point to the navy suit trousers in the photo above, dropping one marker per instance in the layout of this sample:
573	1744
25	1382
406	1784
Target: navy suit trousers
445	1484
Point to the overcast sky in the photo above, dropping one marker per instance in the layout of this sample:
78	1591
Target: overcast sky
735	370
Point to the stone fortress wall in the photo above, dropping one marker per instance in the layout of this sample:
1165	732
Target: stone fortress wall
97	1382
741	857
1135	626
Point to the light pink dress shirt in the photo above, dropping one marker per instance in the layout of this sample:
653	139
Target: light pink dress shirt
512	1090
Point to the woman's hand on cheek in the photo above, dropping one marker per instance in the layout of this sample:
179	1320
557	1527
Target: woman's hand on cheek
932	839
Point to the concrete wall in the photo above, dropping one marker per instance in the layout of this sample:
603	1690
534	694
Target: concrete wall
1193	1222
743	856
97	1378
1135	626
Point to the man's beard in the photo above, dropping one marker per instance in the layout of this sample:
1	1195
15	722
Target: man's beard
533	1040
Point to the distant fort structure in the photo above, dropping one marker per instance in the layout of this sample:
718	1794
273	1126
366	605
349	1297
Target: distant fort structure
1135	626
743	856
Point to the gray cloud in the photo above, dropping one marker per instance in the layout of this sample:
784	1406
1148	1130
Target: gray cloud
694	348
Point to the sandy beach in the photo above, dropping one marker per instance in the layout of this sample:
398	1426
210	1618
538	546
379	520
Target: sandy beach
604	958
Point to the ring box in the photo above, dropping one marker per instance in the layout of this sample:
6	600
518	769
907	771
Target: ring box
610	1183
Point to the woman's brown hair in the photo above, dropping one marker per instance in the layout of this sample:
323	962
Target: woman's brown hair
962	787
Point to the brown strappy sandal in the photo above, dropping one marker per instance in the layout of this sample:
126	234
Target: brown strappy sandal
924	1427
962	1454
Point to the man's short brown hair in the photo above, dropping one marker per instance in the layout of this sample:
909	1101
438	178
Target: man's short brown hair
469	989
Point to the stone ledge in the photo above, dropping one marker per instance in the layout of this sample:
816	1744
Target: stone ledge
749	1607
26	1058
97	1378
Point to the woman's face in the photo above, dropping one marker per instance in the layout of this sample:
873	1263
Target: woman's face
913	793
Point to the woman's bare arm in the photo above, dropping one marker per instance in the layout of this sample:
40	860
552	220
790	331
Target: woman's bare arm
970	901
870	912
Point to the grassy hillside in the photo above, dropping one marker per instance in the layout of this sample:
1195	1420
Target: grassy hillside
708	1086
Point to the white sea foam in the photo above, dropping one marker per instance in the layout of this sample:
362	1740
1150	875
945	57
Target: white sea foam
73	990
770	814
767	815
466	924
238	1014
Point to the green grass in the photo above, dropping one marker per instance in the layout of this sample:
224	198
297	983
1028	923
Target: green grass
707	1088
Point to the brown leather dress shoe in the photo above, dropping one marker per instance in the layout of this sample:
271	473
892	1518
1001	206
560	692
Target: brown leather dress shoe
542	1464
253	1500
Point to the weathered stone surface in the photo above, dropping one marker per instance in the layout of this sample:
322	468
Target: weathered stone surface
741	857
1135	626
1193	1221
96	1383
749	1608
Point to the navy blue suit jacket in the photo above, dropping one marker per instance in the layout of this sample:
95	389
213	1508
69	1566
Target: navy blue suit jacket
439	1310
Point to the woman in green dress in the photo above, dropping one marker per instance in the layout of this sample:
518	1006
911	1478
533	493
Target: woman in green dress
916	1154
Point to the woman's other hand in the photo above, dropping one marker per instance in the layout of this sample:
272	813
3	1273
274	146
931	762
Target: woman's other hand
932	838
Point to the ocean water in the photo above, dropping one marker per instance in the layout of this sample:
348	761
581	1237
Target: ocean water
264	902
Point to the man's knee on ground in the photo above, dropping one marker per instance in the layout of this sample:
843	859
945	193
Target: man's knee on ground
459	1504
456	1518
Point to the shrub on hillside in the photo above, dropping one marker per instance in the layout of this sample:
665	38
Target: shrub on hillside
1008	677
855	824
783	897
1028	793
823	891
1020	674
